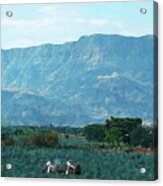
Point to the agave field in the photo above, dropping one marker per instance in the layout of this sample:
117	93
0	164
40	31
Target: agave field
95	164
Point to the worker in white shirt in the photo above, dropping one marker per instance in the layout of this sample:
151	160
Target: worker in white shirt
49	167
69	166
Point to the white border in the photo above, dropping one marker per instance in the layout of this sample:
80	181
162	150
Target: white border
52	182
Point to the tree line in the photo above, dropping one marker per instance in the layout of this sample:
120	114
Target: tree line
123	131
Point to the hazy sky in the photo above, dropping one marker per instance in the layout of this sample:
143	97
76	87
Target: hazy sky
57	23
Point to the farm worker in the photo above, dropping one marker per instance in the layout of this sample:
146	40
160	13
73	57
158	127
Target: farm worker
69	166
49	166
45	167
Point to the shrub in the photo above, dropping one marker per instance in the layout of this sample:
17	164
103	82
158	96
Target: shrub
66	136
7	139
44	139
95	132
141	136
19	132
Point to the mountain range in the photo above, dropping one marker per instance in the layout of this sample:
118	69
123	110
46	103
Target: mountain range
79	82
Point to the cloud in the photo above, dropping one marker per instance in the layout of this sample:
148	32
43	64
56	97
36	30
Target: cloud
59	24
19	43
48	9
17	24
106	77
58	11
52	26
92	22
98	22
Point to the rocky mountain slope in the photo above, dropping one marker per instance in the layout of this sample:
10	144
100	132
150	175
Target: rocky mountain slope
79	82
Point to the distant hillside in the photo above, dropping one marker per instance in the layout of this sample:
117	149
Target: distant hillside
80	82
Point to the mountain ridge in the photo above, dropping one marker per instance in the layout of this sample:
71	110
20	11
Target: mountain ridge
94	78
80	38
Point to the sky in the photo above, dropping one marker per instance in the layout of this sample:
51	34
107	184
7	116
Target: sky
36	24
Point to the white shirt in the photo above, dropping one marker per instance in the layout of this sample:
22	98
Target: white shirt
48	163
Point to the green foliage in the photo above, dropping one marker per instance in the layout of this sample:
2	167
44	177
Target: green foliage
95	132
113	137
66	136
7	138
129	131
117	132
19	132
124	124
8	141
44	139
141	136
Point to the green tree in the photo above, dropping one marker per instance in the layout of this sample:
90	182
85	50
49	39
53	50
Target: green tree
95	132
44	139
113	136
141	136
123	126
